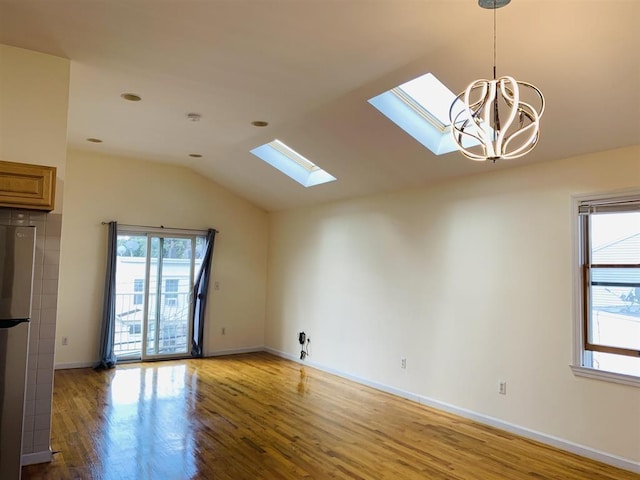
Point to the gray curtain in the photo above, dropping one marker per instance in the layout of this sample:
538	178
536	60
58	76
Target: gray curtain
107	357
200	290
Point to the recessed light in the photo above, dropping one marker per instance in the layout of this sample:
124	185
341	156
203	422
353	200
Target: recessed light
259	123
132	97
195	155
94	140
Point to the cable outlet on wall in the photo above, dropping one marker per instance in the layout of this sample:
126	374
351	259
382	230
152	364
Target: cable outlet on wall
403	363
502	388
65	341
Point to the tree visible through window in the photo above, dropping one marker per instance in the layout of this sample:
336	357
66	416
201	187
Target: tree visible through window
610	293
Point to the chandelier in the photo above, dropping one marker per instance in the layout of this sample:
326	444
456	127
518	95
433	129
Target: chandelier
496	119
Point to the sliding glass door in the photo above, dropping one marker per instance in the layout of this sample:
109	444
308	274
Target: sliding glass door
154	282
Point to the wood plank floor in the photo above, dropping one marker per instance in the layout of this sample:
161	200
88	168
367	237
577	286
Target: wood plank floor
257	416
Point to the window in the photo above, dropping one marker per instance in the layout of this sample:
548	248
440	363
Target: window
161	265
171	292
421	108
292	164
609	306
138	288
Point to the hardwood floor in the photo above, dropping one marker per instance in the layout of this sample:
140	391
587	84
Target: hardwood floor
257	416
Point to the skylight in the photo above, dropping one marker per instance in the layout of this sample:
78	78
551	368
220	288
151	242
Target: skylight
421	108
292	164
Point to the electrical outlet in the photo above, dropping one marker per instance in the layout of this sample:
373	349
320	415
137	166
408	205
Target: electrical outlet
403	363
216	285
224	330
502	388
65	341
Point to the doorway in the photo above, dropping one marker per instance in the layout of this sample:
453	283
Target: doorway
155	273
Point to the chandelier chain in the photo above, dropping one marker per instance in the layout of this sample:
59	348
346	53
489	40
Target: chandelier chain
496	112
495	40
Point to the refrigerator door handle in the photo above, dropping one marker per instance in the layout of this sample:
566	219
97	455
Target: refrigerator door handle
12	323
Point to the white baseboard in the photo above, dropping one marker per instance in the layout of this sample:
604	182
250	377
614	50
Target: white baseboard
37	457
234	351
547	439
65	366
560	443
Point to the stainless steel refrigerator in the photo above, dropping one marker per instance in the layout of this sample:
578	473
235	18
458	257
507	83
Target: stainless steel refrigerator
17	251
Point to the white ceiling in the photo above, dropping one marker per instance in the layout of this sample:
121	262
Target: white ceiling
309	66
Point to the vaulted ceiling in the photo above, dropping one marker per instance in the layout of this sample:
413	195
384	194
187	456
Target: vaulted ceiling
309	66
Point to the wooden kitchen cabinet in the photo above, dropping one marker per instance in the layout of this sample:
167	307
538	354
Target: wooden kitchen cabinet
27	186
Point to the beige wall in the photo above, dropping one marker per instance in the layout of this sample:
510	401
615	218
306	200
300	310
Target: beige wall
102	188
471	281
34	92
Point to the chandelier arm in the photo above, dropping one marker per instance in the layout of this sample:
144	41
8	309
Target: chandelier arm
489	97
532	129
471	113
482	115
473	156
472	121
521	152
467	112
491	113
465	105
460	134
538	93
525	147
512	101
469	107
454	119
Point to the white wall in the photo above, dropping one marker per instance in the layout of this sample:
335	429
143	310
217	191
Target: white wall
102	188
471	281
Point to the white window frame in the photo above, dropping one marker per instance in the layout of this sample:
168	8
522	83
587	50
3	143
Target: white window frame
578	366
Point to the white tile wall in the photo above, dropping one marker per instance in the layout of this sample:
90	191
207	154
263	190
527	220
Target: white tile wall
37	416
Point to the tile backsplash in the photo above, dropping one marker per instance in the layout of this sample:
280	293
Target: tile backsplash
36	435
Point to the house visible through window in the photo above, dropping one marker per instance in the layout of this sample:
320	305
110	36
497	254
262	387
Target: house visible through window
609	257
138	288
171	292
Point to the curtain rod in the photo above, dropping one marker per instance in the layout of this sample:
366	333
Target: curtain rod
163	227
